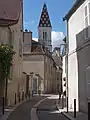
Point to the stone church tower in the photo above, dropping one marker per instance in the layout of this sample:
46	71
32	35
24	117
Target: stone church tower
45	29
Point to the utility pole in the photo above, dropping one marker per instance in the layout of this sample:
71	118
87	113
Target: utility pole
6	85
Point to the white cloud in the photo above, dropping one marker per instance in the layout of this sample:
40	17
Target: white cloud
36	39
32	21
28	22
57	38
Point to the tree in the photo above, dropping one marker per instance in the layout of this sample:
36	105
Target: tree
6	57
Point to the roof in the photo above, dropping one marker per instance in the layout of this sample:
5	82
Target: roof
36	47
77	4
44	19
9	11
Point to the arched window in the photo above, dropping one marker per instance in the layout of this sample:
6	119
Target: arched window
44	35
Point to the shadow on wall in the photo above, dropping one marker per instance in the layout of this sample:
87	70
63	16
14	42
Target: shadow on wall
83	59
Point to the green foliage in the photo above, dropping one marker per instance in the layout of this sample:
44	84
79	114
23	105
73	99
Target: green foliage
6	57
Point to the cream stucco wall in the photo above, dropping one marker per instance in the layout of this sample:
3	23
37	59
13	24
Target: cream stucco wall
17	75
48	70
58	62
36	67
4	35
27	41
35	64
42	65
14	35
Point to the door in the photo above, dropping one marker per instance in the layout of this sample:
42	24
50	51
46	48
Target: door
35	85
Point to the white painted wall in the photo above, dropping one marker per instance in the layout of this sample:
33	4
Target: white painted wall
75	25
64	73
63	67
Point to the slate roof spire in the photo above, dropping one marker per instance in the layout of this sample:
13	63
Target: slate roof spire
44	20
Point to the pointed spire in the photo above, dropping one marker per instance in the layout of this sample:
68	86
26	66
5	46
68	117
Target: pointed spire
45	2
44	20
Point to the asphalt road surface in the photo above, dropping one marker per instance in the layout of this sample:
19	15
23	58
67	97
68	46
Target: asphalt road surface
23	111
48	111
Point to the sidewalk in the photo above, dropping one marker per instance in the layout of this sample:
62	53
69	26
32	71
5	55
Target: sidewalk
70	114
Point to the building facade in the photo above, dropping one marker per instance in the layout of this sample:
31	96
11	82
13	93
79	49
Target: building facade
37	55
11	32
78	39
39	61
45	29
58	60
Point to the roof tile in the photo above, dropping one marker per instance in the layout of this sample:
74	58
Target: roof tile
10	9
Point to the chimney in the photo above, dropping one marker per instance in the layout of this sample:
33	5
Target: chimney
26	30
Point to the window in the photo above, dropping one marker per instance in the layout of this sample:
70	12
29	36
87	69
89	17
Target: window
89	12
87	20
44	35
85	11
11	75
20	48
11	38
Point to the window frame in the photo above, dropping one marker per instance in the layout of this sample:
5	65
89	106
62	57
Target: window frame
44	35
87	15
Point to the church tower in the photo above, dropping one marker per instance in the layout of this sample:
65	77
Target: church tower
45	29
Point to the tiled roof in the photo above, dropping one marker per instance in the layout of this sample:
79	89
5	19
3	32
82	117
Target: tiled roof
36	46
44	20
9	11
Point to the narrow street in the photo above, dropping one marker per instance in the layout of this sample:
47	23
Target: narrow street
23	111
47	110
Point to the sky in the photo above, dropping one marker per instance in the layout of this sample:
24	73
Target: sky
57	10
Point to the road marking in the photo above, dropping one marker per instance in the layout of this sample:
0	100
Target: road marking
34	109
